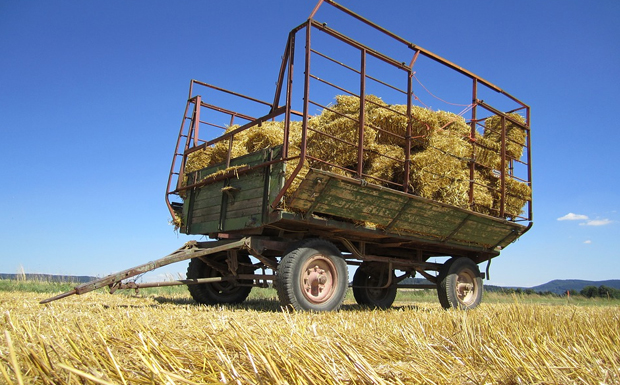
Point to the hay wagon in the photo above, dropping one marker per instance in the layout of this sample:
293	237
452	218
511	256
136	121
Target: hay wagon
295	199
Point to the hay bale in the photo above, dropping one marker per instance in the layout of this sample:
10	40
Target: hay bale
382	163
517	195
486	152
456	123
220	149
394	120
267	135
484	190
335	140
350	106
515	135
198	160
294	139
331	128
440	172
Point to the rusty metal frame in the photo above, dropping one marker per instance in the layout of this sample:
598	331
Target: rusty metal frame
284	89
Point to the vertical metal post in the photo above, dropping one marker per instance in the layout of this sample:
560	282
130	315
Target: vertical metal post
306	108
408	133
289	89
304	122
502	208
191	88
197	119
472	162
230	142
280	82
529	160
362	119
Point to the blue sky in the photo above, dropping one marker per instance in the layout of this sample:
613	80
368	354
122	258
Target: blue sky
92	95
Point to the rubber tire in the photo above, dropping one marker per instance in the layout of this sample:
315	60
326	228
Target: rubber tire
368	274
218	292
289	276
448	280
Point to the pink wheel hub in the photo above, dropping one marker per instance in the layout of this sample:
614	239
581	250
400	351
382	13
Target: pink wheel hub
465	287
318	279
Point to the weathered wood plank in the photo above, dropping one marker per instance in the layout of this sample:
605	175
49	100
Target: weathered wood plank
251	206
332	195
204	227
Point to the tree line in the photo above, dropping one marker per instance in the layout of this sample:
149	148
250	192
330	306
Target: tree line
600	292
588	292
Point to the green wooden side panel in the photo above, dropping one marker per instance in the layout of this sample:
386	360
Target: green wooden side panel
341	199
235	203
398	213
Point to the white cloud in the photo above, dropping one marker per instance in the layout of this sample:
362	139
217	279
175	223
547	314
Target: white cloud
598	222
588	242
573	217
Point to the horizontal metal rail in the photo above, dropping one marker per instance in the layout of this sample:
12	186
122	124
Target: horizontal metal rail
198	281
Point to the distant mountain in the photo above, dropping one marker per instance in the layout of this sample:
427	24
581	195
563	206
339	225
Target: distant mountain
561	286
48	277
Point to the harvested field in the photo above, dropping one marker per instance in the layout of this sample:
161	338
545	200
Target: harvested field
103	339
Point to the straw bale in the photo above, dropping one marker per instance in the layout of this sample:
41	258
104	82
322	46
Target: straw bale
267	135
341	146
394	120
220	149
487	152
515	136
350	105
382	163
450	121
342	128
517	195
440	171
198	160
484	191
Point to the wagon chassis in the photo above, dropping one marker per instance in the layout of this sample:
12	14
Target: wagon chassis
258	246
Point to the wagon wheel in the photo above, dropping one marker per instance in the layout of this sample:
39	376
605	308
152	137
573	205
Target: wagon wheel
313	276
368	285
459	284
218	292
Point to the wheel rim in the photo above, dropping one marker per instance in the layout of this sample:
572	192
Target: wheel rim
318	279
466	288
